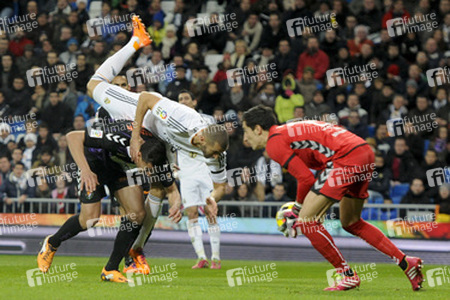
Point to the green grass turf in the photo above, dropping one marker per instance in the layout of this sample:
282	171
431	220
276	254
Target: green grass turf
296	280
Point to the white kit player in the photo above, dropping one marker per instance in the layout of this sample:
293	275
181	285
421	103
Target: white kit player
182	128
196	184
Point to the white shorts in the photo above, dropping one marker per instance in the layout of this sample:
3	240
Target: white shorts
194	191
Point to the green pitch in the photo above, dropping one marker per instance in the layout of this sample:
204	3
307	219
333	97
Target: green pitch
174	279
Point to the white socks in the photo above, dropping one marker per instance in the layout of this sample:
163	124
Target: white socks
195	233
113	65
214	236
152	208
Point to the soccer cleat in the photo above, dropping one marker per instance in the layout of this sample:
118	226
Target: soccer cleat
201	263
344	283
131	268
140	261
45	256
414	272
141	33
113	276
215	264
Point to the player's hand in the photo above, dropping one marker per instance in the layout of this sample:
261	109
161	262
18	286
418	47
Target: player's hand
211	209
88	181
175	213
135	146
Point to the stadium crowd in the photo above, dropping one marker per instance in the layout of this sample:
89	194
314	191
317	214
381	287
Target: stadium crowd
297	87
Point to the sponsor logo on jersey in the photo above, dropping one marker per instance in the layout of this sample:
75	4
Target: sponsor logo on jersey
96	134
192	154
161	113
107	101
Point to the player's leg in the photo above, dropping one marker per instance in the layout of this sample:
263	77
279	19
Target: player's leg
114	64
196	234
350	215
213	228
313	209
88	217
136	261
131	199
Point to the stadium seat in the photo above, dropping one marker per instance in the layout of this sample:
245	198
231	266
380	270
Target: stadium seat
212	60
388	215
167	6
397	199
95	9
213	6
371	131
426	145
399	190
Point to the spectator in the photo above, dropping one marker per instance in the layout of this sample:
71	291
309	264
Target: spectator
45	159
179	83
79	123
84	73
414	140
16	156
266	95
380	184
30	153
354	125
274	32
268	174
290	98
396	10
168	42
239	57
278	195
370	16
308	85
353	105
430	162
16	187
285	58
396	110
252	31
57	115
242	193
440	142
67	95
416	193
314	58
69	57
18	98
5	168
354	45
62	192
316	107
4	107
44	139
401	162
210	99
421	117
157	31
331	44
443	200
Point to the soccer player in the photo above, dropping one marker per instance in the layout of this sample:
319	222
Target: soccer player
182	128
305	145
195	186
102	157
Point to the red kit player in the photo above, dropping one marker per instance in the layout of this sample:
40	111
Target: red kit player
344	164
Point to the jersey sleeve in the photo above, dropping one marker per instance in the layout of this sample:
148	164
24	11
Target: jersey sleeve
217	167
282	153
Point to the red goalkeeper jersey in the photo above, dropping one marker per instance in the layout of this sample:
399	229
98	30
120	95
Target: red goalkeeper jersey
305	145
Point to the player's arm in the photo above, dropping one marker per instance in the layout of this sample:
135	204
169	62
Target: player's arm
173	195
282	153
146	102
75	141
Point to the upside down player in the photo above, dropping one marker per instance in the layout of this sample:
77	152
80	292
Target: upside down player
101	155
181	128
305	145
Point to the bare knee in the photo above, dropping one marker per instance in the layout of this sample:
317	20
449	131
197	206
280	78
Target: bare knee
137	216
89	219
192	213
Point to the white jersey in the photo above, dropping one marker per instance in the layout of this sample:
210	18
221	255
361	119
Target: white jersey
174	123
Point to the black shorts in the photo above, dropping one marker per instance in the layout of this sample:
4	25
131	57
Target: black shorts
108	173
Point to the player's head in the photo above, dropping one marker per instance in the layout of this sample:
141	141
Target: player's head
121	81
256	124
152	153
213	140
187	98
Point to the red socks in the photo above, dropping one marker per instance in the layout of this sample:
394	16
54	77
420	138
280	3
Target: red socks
323	242
373	236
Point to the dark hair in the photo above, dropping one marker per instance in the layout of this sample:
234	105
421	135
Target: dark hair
260	115
153	151
44	125
19	163
184	91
